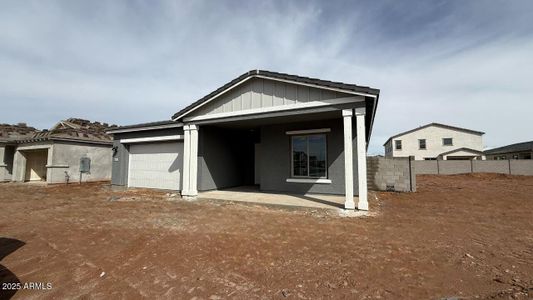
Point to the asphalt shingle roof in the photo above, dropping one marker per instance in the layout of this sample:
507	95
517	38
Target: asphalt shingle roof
518	147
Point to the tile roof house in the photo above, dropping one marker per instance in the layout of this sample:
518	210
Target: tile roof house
53	156
278	132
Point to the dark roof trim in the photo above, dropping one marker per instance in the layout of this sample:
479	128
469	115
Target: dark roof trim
279	76
462	149
82	141
145	126
438	125
518	147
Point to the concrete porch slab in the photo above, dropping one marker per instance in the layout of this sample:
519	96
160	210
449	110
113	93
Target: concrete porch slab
253	195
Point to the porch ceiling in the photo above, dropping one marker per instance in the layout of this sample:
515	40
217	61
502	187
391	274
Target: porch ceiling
252	123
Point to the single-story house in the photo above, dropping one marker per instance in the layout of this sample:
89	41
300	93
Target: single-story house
54	156
514	151
282	133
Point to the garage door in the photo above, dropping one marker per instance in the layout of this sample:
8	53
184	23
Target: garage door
156	165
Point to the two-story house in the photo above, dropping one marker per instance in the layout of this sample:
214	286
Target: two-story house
436	141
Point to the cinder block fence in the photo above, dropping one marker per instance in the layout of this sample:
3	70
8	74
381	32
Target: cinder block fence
448	167
387	174
399	174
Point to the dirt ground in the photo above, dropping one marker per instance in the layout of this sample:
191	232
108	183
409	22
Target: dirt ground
465	236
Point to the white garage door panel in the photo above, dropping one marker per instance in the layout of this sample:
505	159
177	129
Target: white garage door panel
156	165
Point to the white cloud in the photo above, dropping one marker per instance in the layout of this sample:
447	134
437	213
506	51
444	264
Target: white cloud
465	64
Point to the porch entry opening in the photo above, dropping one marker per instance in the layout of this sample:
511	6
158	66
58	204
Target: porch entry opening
227	157
36	161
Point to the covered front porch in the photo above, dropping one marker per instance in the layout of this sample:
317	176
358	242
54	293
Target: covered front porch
252	195
301	158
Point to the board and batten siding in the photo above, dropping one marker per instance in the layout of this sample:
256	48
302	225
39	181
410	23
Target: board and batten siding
261	93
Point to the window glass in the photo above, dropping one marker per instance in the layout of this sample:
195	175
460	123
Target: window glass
309	156
422	144
317	155
398	144
299	156
447	141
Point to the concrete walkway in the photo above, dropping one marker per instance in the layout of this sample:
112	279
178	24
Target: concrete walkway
253	195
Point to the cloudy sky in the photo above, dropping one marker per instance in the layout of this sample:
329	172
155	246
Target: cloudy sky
463	63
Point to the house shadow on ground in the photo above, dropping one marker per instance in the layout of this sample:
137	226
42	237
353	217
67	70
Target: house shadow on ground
8	280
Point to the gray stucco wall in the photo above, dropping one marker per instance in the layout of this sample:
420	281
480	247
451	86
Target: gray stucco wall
275	158
66	158
7	154
3	165
120	161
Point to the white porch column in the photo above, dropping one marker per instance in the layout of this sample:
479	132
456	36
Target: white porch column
190	161
186	160
193	167
348	158
361	158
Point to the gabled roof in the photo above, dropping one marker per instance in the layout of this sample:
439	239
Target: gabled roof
462	149
438	125
282	76
518	147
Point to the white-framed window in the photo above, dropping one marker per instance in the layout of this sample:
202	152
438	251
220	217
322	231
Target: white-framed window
422	144
447	141
398	144
309	156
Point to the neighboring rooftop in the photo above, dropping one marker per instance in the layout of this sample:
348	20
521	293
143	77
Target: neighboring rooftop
438	125
9	132
518	147
69	129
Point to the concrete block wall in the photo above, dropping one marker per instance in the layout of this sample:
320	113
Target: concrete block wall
490	166
521	167
426	166
454	166
449	167
396	174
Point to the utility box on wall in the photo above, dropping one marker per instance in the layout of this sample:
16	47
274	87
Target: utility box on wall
85	165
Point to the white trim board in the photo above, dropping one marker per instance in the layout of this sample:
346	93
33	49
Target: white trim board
287	107
152	139
309	180
308	131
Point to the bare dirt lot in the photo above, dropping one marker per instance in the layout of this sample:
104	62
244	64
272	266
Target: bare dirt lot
465	236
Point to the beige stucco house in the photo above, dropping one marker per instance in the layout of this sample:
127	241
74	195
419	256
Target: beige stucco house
54	155
436	141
